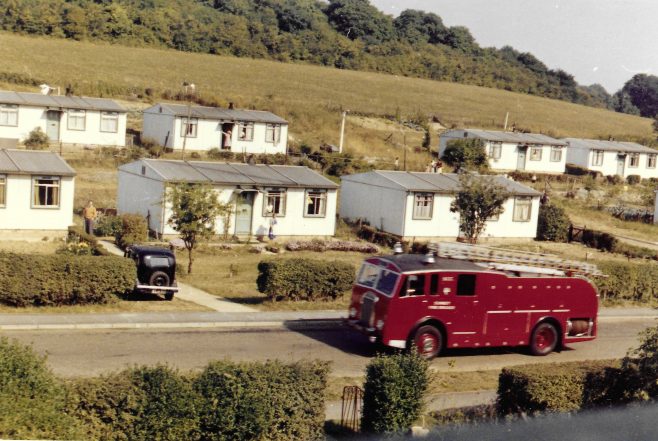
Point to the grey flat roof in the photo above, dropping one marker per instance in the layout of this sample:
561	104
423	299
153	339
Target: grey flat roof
616	146
512	137
444	182
59	101
239	174
32	162
219	114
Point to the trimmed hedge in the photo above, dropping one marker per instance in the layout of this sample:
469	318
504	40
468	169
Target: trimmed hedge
628	281
59	279
393	393
559	387
332	245
304	279
262	401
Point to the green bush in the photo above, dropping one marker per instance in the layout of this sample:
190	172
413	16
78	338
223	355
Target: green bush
108	226
216	153
77	235
633	179
599	240
304	279
614	179
133	230
41	280
553	224
32	401
558	387
331	245
262	401
465	154
37	140
393	393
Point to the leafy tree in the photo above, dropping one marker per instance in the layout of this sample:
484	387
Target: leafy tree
36	140
465	154
359	19
621	102
194	211
460	38
420	27
642	90
479	199
553	223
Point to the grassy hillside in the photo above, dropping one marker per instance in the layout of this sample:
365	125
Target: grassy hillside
310	97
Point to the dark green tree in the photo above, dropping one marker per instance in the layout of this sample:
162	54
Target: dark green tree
553	223
642	91
465	154
358	19
420	27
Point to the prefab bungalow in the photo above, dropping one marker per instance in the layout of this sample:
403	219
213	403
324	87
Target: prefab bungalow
36	194
65	119
612	157
233	130
302	202
417	205
509	151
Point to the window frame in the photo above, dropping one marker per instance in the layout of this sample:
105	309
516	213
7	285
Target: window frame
633	160
597	158
283	195
275	130
533	150
517	203
651	160
193	122
3	191
109	116
76	114
496	150
417	195
9	109
322	194
35	192
555	150
249	131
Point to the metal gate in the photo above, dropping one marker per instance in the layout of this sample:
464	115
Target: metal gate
350	415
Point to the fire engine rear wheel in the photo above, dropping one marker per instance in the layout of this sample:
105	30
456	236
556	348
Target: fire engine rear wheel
544	339
427	341
159	278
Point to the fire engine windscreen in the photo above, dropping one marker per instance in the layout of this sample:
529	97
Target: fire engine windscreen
383	280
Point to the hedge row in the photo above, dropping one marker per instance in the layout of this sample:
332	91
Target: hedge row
42	280
304	279
628	281
332	245
607	242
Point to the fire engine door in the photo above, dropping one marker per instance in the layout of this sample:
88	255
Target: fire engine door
461	291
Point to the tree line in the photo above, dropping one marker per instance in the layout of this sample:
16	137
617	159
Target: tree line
347	34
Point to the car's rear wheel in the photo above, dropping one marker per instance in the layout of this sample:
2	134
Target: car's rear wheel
159	278
544	339
427	341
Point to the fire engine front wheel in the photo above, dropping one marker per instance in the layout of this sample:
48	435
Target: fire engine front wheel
427	341
544	339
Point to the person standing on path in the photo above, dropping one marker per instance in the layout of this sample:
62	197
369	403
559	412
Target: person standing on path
89	214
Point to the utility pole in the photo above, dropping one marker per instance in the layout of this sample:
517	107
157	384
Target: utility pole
342	131
186	126
506	118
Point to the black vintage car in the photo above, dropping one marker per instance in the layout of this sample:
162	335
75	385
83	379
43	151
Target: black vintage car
156	270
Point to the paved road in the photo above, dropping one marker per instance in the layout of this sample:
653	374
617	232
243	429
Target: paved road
90	352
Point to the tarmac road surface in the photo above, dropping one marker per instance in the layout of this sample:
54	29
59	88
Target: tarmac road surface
88	352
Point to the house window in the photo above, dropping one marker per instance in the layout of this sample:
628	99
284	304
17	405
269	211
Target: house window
597	157
535	153
3	191
274	203
496	150
77	119
634	160
556	154
522	208
246	131
272	133
423	203
110	122
189	129
8	115
45	192
316	203
651	161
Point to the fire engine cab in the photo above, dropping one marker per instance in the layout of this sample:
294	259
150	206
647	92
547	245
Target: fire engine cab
466	296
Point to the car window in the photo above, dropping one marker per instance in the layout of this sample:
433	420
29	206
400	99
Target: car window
368	275
387	281
466	285
159	261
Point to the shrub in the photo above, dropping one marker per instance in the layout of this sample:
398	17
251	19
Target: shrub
633	179
42	280
465	154
576	170
108	225
266	401
32	401
393	393
628	281
614	179
77	235
153	147
641	364
133	230
558	387
599	240
331	245
553	224
304	279
216	153
37	140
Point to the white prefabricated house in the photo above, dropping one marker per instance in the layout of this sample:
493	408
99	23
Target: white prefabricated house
36	194
301	201
509	151
417	205
613	157
233	130
65	119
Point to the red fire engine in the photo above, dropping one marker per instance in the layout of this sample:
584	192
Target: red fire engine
465	296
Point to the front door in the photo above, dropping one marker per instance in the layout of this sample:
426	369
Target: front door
621	162
243	213
52	124
520	163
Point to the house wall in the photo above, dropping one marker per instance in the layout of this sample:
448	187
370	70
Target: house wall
655	210
141	194
382	207
584	158
31	117
18	214
159	127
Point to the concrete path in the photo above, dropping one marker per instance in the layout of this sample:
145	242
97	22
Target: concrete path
190	293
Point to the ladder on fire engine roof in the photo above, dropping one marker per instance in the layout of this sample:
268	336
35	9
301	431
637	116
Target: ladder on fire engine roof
514	260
